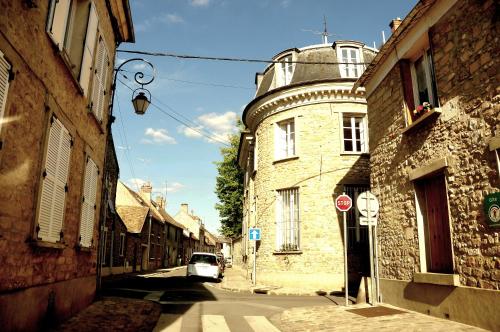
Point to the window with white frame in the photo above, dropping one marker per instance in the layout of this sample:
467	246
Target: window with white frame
419	84
73	26
5	68
100	78
354	133
287	220
350	59
122	244
285	139
89	199
54	183
285	71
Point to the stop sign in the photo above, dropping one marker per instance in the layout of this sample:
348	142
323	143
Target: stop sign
343	203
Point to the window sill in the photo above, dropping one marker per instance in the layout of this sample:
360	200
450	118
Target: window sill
46	244
83	249
290	252
427	117
437	279
351	153
285	159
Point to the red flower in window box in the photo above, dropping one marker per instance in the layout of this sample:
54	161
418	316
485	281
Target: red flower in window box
422	109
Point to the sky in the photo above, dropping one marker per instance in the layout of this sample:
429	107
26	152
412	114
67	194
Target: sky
209	96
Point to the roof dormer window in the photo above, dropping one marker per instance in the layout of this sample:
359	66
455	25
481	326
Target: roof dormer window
350	62
285	70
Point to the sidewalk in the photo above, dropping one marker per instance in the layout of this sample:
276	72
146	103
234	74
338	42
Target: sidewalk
357	317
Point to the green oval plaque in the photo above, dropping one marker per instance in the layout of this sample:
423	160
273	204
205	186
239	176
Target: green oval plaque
492	209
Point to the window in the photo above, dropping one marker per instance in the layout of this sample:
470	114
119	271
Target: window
285	70
287	220
354	133
4	86
357	234
88	203
122	244
419	84
104	241
434	227
54	183
285	139
349	58
73	26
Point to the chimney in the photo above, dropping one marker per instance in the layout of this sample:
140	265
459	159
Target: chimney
184	208
146	190
395	24
161	202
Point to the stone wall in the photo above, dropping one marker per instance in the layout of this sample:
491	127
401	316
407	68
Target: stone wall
464	43
318	172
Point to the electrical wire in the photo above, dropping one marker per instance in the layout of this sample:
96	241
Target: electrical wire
206	134
197	57
194	82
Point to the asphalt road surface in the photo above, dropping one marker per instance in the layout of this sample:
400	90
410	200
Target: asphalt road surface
198	305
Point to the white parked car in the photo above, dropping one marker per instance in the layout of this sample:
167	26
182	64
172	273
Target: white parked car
204	264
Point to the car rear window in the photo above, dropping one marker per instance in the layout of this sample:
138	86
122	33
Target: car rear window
209	259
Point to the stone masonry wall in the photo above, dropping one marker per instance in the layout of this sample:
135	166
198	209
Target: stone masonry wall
320	167
466	47
42	85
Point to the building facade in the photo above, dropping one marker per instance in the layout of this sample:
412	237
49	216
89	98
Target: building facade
434	115
306	143
56	64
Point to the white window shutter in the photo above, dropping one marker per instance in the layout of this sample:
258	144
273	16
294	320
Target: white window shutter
279	221
58	21
53	193
100	79
4	86
88	49
88	205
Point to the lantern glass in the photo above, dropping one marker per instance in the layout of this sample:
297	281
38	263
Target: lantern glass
141	103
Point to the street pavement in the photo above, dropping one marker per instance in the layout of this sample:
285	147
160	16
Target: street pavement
145	313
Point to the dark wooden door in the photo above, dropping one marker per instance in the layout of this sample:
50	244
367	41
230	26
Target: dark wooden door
438	227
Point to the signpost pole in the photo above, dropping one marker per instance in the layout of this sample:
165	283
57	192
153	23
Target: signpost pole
370	243
346	273
254	262
377	295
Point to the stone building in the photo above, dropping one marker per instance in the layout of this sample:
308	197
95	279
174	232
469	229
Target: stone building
306	142
433	103
56	65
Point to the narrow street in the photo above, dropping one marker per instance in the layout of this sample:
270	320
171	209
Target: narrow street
200	305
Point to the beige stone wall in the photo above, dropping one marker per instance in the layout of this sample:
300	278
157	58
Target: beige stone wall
317	172
465	42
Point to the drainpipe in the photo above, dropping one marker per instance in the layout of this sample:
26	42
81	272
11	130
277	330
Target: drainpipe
149	241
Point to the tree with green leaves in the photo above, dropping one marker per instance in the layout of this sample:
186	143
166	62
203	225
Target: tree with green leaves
229	189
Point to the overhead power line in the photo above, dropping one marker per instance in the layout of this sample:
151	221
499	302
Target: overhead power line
210	136
197	57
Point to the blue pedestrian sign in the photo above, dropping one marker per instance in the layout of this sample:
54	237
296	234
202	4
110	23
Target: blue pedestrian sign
254	234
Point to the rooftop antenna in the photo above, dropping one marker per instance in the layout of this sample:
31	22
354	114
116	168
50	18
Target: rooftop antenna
324	34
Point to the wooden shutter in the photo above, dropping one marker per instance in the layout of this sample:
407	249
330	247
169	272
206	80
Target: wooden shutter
88	204
100	79
4	86
88	49
54	183
58	21
405	69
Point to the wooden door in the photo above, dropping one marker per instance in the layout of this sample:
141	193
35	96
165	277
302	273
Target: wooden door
438	227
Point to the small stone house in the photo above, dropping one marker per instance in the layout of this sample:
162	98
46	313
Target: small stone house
433	95
305	143
56	68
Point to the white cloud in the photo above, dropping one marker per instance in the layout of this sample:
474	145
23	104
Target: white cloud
200	3
174	187
144	160
135	183
285	3
120	147
158	136
172	19
219	126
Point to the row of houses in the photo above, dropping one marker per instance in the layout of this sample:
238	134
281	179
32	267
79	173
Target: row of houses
417	123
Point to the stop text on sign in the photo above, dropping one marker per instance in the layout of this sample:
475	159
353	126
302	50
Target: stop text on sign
343	203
